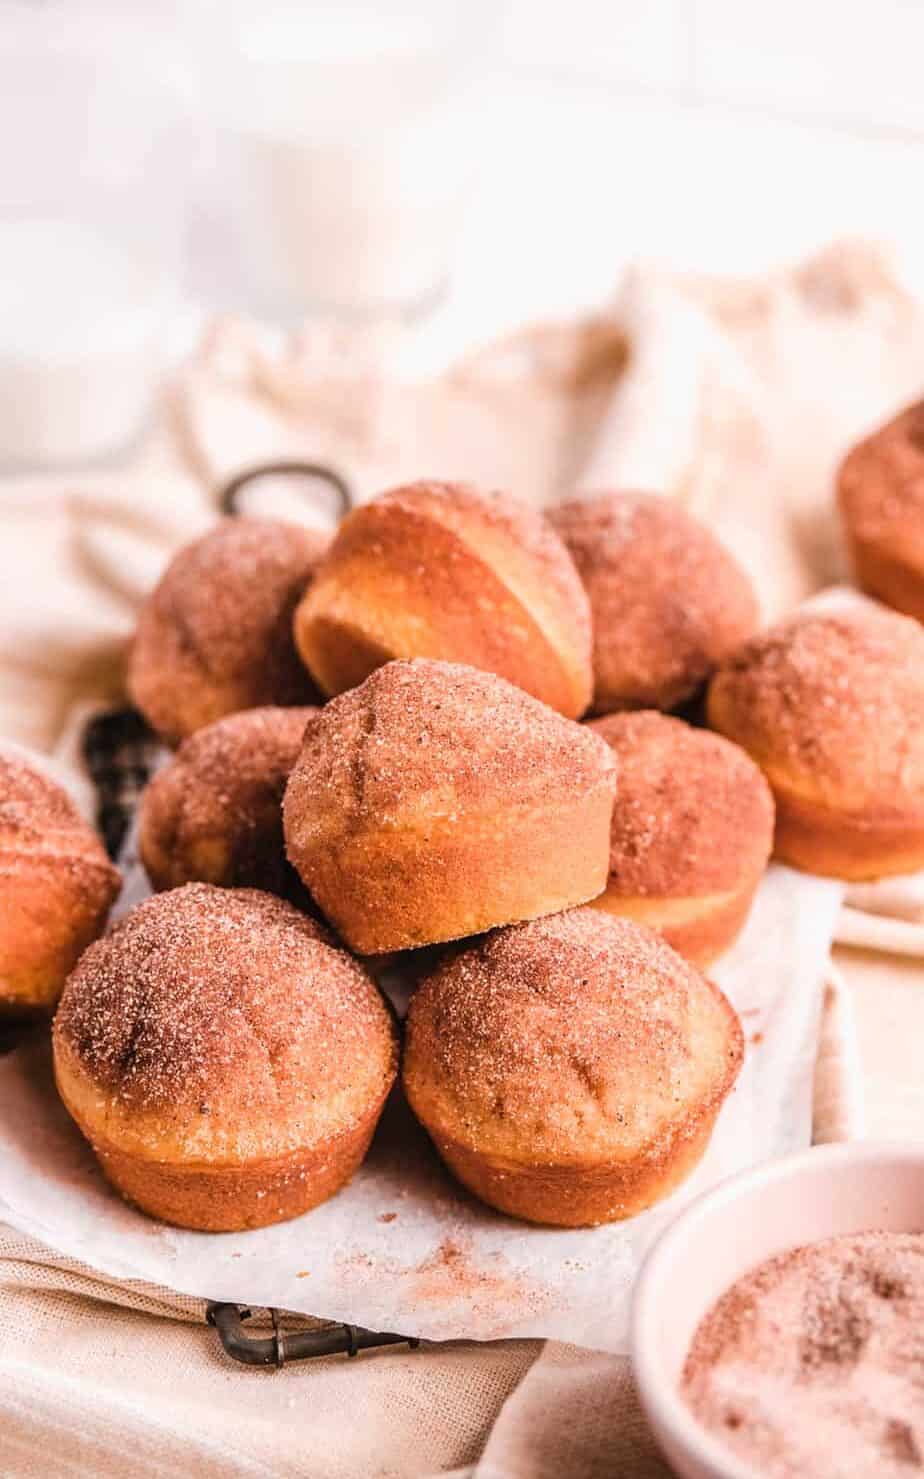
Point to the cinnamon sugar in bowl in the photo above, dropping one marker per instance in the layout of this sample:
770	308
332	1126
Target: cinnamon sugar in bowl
739	1243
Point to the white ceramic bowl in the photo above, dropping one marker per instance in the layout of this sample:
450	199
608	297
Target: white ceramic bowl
820	1193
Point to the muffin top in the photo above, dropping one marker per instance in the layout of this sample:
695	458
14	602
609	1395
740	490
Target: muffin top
831	702
40	826
222	1024
881	486
481	517
214	813
422	740
221	618
452	573
669	602
574	1038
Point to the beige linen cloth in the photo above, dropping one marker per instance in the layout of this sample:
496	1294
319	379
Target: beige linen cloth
736	397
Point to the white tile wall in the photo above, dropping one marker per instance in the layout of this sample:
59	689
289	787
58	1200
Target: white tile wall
850	59
856	62
582	180
722	134
630	41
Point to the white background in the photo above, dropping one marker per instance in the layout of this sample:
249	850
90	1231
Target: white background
726	134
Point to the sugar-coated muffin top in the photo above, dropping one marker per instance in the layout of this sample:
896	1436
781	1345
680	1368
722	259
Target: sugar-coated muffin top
669	602
215	635
224	1023
573	1038
833	701
693	814
420	740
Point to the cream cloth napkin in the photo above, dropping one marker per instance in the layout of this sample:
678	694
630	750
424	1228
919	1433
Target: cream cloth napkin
738	398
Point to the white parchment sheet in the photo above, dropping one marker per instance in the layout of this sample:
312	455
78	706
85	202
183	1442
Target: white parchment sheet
403	1248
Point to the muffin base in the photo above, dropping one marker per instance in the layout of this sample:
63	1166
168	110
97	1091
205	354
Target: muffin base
699	929
235	1198
339	653
371	604
400	889
46	927
858	846
35	990
578	1195
17	1007
27	997
890	579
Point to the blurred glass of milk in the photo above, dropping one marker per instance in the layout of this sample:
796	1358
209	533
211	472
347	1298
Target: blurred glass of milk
92	178
353	128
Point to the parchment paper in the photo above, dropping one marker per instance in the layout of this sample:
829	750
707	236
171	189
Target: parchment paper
403	1248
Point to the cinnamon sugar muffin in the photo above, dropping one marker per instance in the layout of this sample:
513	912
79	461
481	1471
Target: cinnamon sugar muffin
691	834
668	602
213	814
435	801
215	635
569	1071
225	1060
56	887
881	497
441	570
830	704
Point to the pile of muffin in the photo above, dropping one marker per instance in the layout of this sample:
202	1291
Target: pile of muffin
383	758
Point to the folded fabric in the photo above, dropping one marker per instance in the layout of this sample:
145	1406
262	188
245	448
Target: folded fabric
110	1380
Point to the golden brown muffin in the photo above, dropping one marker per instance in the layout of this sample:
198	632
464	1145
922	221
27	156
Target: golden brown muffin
830	704
56	887
691	834
435	801
226	1061
669	603
439	570
214	813
570	1070
881	498
215	635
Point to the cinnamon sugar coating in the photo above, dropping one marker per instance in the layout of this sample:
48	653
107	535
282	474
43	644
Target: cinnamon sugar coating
215	635
421	740
693	813
213	814
881	497
220	1026
56	886
576	1041
668	601
435	799
442	570
832	705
